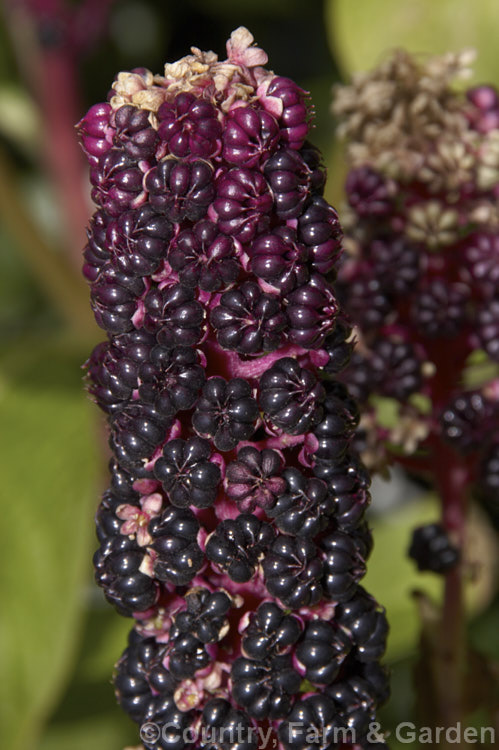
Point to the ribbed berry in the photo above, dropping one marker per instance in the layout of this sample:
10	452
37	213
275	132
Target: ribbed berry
189	126
392	368
294	116
368	192
203	257
114	299
254	479
243	203
175	314
138	240
96	252
305	507
314	721
431	549
334	430
248	320
319	229
311	311
226	412
227	728
134	132
186	656
174	541
117	566
186	473
171	378
288	176
265	688
466	419
365	300
344	564
291	397
181	189
238	545
365	622
293	570
270	632
136	430
118	182
250	136
205	615
339	347
96	132
322	652
279	259
397	263
439	309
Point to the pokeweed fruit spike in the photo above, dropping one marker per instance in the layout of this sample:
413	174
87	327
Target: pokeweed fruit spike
233	529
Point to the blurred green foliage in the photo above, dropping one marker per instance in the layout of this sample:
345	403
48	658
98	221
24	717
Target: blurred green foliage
58	638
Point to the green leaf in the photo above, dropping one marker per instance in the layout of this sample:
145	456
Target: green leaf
49	459
362	31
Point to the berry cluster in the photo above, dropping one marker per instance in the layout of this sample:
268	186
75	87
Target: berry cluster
422	281
233	531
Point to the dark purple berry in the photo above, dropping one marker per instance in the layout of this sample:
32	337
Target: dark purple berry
205	615
269	632
171	378
311	311
136	431
279	259
178	556
291	396
397	264
117	181
314	722
265	688
117	570
114	299
242	204
138	240
226	412
319	229
203	257
293	570
305	507
254	479
134	132
466	419
190	126
186	473
186	656
368	192
439	308
336	426
250	136
294	116
96	253
339	347
322	652
488	328
181	189
431	549
344	565
365	622
175	314
226	728
248	320
289	178
96	132
237	546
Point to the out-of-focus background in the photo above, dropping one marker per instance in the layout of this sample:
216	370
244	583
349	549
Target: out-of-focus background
58	638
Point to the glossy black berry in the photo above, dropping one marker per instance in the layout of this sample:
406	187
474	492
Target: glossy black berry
117	566
238	545
175	315
178	556
313	722
344	564
270	632
431	549
248	320
279	259
291	396
136	430
365	623
187	474
186	655
467	419
305	507
205	615
265	688
311	311
114	299
138	240
171	379
293	571
226	412
226	728
322	651
204	257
